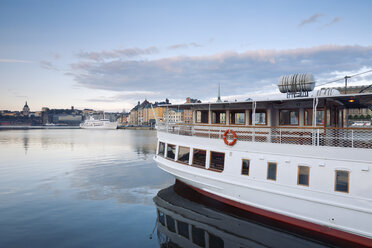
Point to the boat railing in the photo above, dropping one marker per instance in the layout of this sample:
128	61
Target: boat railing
312	136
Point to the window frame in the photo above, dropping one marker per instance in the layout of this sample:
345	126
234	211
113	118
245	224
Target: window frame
298	175
348	181
178	155
238	111
290	110
249	166
257	111
276	171
218	112
201	116
159	149
205	161
304	115
210	160
175	149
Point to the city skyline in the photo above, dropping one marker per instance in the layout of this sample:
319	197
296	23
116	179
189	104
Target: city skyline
109	55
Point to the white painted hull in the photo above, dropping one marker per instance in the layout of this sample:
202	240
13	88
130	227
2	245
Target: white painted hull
317	204
111	125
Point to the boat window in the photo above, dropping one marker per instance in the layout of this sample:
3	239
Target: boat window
171	223
171	151
217	161
198	236
245	167
161	148
271	171
342	181
183	229
201	116
303	175
218	117
260	117
308	120
161	218
237	117
183	154
215	242
288	117
199	157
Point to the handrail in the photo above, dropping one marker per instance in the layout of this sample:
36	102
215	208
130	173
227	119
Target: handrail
281	126
314	136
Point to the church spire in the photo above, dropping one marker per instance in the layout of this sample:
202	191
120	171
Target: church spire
219	93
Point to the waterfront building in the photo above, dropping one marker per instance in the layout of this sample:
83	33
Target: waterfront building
25	110
174	116
187	112
134	115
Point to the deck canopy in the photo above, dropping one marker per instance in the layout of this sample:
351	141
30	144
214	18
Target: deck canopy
349	101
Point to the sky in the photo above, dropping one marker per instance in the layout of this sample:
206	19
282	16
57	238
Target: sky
108	55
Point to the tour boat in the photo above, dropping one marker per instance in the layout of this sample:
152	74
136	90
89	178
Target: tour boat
98	124
294	160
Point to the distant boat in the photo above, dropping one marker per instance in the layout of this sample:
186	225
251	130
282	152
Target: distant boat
98	124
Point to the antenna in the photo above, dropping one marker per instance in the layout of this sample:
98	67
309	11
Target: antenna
219	93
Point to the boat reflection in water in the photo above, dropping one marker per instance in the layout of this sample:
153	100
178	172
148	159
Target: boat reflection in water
188	219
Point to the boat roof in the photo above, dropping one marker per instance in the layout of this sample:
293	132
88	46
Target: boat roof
360	100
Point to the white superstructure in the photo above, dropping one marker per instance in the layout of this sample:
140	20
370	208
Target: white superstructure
294	160
99	124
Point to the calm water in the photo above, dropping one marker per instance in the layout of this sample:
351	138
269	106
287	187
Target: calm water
95	188
78	188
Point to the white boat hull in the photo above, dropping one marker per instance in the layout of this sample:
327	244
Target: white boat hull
347	216
111	125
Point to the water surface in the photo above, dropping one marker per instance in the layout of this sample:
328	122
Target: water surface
78	188
95	188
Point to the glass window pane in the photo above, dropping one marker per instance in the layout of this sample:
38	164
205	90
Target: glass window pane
161	148
288	117
183	154
293	118
260	118
342	181
198	236
183	229
218	117
271	171
303	175
237	117
245	167
198	116
217	161
161	217
199	157
215	242
171	151
171	224
320	117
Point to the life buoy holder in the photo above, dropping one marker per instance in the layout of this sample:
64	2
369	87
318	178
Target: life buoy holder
231	143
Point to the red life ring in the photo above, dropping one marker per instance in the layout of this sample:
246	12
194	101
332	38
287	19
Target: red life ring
225	137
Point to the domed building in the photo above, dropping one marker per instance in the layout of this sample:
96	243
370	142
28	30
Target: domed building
26	109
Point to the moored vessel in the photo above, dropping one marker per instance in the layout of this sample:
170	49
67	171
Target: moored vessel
295	160
98	124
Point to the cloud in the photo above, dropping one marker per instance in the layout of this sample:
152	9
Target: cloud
238	73
335	20
117	53
48	65
131	96
311	19
184	46
16	61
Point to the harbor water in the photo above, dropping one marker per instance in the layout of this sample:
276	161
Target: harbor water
89	188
